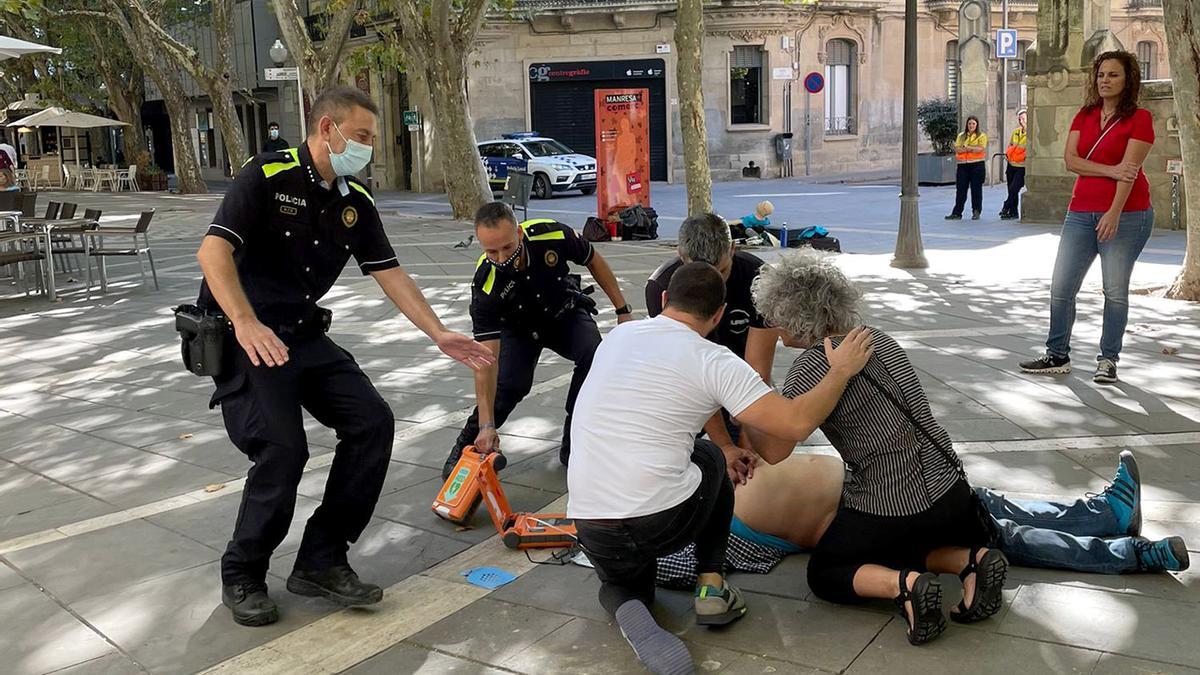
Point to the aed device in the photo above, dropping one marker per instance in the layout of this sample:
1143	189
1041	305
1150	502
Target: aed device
475	480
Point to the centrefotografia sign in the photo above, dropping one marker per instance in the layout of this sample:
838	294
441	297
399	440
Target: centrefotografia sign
622	149
637	69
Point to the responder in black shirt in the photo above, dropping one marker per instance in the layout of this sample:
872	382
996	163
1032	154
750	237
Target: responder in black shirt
524	299
280	239
706	238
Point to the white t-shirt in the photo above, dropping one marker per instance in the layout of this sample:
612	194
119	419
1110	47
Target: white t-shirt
652	385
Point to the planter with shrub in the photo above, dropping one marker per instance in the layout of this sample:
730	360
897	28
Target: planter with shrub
151	178
939	120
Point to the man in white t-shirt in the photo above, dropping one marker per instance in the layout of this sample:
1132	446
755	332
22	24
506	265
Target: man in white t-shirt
642	486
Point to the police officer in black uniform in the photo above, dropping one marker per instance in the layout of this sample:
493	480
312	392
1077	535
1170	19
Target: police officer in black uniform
281	237
523	300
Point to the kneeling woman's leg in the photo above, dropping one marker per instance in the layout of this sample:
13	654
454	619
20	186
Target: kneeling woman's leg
856	560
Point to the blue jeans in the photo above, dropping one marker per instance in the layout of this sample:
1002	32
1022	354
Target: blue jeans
1061	536
1077	248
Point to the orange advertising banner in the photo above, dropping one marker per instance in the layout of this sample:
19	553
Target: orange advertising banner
622	149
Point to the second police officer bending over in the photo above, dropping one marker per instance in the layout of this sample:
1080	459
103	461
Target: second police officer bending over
523	300
281	237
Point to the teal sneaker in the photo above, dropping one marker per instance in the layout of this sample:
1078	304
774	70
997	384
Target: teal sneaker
1124	495
718	606
1164	555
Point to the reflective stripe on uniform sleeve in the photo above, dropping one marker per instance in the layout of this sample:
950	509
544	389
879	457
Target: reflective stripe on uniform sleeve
490	282
557	234
361	189
221	227
272	168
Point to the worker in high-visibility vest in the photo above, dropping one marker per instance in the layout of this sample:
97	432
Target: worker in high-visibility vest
1016	169
970	149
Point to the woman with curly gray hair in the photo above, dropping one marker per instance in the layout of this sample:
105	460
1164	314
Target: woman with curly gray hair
907	511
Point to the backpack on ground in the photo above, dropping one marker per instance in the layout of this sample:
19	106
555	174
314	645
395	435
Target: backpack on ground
639	223
595	230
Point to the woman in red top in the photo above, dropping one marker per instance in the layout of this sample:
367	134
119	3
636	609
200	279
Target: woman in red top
1109	215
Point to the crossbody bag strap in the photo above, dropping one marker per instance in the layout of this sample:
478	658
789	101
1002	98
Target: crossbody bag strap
912	418
1103	133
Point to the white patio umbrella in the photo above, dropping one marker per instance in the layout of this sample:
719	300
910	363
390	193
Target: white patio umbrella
59	117
11	48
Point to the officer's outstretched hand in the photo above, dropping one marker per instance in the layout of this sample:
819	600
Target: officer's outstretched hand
465	350
261	343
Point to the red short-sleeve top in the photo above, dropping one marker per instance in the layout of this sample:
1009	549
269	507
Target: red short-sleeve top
1095	193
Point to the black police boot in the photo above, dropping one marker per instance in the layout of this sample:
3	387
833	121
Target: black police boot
250	604
339	583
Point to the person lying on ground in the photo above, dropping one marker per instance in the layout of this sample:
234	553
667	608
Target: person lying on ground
786	508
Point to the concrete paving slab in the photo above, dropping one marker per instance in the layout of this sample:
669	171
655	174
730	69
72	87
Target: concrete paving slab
490	631
71	509
150	481
408	659
1120	623
1113	664
814	634
144	430
565	589
99	563
211	522
1040	472
176	623
978	651
388	553
113	663
208	447
789	579
400	475
1169	473
40	636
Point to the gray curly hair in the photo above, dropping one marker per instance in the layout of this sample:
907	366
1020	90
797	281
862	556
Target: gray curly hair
806	295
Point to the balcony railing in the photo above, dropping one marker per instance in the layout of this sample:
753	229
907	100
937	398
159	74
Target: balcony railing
1144	4
840	126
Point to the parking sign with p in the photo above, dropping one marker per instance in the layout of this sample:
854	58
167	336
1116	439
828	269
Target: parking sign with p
1006	44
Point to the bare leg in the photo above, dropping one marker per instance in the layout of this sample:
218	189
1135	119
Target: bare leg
877	581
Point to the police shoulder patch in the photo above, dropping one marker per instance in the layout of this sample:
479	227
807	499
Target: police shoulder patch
551	258
349	216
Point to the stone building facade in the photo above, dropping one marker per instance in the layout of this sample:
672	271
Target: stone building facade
535	69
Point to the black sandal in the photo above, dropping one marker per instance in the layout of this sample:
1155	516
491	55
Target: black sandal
990	573
926	598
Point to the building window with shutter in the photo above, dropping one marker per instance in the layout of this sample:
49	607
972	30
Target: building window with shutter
841	82
746	88
1147	56
952	70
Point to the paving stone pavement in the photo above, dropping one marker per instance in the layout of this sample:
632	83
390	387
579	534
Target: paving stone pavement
118	486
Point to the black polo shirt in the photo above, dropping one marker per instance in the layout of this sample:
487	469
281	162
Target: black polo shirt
292	235
527	299
740	314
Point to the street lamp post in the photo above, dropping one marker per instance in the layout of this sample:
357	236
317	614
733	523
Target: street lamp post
279	55
910	252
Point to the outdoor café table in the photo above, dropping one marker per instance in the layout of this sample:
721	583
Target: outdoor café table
63	226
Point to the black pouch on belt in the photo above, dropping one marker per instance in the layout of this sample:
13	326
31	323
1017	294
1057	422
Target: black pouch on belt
204	338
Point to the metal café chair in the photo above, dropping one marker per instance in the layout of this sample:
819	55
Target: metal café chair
103	251
518	191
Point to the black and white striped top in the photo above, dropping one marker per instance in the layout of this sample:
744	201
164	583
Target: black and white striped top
891	469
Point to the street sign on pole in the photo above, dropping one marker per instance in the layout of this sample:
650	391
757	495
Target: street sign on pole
282	74
411	117
814	82
1006	43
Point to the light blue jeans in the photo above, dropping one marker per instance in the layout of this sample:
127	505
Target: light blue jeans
1077	249
1061	536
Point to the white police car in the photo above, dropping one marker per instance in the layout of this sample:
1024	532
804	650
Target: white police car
555	167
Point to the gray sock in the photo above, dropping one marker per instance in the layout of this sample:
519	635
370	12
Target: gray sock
660	651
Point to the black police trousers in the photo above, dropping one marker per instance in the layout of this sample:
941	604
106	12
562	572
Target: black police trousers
261	406
574	337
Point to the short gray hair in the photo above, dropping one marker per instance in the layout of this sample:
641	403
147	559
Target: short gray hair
705	238
806	295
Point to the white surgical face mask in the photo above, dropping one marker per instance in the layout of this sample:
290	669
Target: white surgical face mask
274	134
350	161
